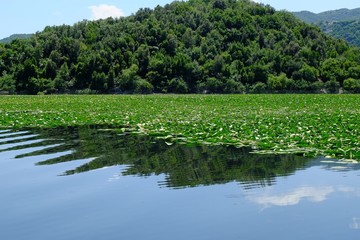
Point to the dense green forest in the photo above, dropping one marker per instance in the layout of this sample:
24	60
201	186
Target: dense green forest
213	46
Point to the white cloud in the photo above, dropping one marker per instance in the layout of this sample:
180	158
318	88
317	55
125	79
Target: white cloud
104	11
355	224
294	197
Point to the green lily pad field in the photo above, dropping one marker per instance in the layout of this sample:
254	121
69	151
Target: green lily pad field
327	125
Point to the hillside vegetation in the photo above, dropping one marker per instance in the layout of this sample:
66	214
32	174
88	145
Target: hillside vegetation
214	46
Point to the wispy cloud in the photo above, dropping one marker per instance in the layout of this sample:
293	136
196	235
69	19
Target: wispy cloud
104	11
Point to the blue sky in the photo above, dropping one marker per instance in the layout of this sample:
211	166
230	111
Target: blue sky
29	16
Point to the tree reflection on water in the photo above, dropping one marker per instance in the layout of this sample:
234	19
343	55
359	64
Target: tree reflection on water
183	166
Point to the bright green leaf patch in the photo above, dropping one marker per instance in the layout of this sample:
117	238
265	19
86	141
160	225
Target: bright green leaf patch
326	125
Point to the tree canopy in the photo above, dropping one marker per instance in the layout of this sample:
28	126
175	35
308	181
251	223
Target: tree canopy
214	46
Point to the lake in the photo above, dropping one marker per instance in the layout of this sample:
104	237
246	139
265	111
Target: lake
94	183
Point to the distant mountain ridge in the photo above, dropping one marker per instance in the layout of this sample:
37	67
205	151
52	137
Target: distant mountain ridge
339	15
342	23
15	36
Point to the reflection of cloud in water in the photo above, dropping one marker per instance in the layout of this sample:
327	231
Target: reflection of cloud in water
314	194
355	223
352	190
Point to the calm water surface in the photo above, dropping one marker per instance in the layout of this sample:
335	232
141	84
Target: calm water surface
92	183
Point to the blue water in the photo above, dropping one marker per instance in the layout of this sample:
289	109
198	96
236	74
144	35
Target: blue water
96	184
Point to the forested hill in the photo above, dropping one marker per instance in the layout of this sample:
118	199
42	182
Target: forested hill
215	46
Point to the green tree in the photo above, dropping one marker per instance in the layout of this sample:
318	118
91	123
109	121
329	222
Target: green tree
177	85
127	81
233	86
352	85
7	83
258	87
41	85
279	83
307	73
211	85
331	69
332	86
50	69
62	79
143	87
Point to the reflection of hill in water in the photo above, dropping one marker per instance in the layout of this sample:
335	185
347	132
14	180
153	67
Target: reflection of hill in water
184	166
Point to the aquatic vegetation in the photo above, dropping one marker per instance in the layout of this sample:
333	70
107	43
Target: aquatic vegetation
302	124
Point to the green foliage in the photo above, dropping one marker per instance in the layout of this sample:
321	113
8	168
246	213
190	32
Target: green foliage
352	85
41	85
233	86
331	69
143	87
212	85
317	87
177	85
332	86
216	46
7	83
86	91
279	83
307	73
258	87
128	78
62	79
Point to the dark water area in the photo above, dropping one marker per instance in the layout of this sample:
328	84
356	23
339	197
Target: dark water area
93	183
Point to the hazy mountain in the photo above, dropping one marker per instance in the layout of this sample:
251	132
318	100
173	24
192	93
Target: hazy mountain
343	14
15	36
342	23
347	30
